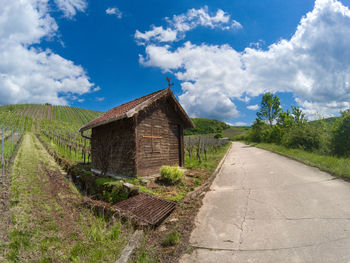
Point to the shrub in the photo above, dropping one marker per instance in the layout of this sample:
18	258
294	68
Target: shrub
303	137
171	174
113	191
218	135
197	181
341	137
260	132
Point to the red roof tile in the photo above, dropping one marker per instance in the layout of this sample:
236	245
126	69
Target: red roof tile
119	111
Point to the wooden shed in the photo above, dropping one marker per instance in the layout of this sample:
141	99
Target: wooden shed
138	137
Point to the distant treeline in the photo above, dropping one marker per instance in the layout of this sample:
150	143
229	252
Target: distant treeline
291	129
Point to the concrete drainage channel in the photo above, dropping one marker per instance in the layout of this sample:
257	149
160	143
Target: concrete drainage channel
133	243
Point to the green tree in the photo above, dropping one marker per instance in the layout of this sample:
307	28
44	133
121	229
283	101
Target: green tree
270	108
299	116
341	137
285	120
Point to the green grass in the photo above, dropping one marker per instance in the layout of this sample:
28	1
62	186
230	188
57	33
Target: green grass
47	228
212	161
171	239
339	167
144	253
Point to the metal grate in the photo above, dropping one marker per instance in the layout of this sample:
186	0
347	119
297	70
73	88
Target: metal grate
146	208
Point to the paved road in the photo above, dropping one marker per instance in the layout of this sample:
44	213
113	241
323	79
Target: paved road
263	207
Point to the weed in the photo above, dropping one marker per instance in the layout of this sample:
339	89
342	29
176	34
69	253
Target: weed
171	174
116	231
171	239
197	181
144	257
18	239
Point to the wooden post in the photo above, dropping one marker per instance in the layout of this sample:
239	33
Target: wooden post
2	157
84	150
11	141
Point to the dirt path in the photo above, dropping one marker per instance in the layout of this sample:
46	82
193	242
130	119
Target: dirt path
263	207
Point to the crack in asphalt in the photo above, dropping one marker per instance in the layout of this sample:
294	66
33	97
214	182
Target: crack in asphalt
244	219
302	218
270	249
273	207
230	188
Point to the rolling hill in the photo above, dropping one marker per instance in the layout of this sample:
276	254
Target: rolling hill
68	114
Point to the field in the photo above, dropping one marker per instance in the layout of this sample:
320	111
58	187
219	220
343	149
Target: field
58	125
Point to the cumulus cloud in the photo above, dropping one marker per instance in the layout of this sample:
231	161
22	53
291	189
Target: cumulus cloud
178	25
27	73
314	64
114	11
70	7
253	107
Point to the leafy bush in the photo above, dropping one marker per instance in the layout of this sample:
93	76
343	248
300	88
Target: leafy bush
303	137
171	174
260	132
218	135
341	138
112	191
197	181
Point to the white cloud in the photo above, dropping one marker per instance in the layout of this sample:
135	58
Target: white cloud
114	11
236	25
157	33
314	65
97	88
180	24
239	123
100	98
70	7
30	74
253	107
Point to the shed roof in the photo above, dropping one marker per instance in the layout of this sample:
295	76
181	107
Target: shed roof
129	109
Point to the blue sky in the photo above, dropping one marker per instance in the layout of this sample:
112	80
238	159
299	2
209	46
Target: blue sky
221	55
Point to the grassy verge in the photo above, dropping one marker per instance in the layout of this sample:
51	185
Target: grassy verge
63	152
48	223
339	167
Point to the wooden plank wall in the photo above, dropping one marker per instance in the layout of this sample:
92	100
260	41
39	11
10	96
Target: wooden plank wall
158	138
123	156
